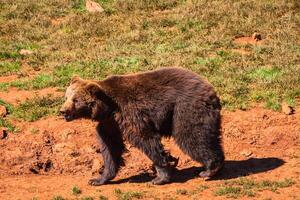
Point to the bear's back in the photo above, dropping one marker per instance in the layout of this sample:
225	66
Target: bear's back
165	83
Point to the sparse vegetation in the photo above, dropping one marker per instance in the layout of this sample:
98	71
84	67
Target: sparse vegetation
38	107
127	195
101	197
8	106
249	188
5	123
87	198
228	191
7	68
198	189
76	190
58	198
181	192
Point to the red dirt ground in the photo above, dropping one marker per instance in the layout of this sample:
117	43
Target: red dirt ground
248	40
14	96
48	157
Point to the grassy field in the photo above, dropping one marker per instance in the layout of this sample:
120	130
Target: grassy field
138	35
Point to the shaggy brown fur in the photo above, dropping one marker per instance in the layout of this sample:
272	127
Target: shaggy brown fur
141	108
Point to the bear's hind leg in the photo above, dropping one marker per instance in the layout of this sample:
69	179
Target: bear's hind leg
200	137
154	150
210	155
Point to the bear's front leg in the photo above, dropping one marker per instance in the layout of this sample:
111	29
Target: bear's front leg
112	148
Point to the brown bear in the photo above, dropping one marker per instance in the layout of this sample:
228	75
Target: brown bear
142	108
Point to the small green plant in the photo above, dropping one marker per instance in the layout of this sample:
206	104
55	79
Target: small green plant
228	191
34	130
182	192
87	198
101	197
58	198
5	123
76	190
198	189
127	195
8	106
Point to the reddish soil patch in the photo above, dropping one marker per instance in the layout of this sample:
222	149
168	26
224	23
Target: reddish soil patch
241	51
58	21
15	96
50	156
248	40
5	79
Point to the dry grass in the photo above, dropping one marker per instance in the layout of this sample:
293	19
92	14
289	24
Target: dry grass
140	35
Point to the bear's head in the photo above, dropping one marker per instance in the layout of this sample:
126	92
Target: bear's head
85	99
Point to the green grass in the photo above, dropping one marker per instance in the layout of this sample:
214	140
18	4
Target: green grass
76	190
181	191
36	108
228	191
101	197
8	68
139	35
8	106
58	198
248	187
5	122
198	189
87	198
127	195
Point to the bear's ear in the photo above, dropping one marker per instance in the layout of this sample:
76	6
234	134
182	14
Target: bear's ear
97	92
75	79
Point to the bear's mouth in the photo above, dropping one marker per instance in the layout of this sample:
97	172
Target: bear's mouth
68	118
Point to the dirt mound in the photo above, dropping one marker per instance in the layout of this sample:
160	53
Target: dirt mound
50	146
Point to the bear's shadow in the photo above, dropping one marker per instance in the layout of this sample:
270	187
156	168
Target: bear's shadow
231	169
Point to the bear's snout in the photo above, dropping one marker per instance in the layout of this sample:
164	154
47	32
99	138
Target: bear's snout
66	113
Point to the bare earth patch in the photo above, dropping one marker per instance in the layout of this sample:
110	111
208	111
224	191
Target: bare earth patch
248	40
241	51
14	96
48	157
5	79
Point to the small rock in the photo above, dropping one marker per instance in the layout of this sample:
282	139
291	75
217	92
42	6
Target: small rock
256	36
67	133
93	7
63	148
286	109
3	111
3	133
25	52
96	165
88	149
246	153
